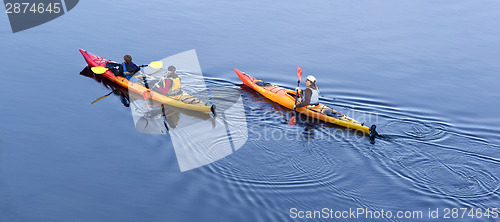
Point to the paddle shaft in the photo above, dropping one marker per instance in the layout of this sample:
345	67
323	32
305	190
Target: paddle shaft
102	97
299	72
291	122
296	97
101	70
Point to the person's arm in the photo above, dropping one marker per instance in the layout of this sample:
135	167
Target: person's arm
112	65
131	68
137	69
157	84
164	90
307	98
115	68
298	90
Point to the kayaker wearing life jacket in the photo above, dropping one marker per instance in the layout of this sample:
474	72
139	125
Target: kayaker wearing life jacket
127	69
171	84
310	96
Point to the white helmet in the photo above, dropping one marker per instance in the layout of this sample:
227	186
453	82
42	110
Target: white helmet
311	78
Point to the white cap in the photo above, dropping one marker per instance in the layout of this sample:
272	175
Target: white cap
311	78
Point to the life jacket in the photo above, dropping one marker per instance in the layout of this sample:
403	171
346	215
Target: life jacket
127	72
314	101
174	88
315	96
177	85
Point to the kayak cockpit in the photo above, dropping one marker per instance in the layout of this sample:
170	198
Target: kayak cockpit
262	83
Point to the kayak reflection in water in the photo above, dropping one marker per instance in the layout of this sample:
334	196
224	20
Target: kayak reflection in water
127	69
170	84
152	119
309	96
115	89
124	98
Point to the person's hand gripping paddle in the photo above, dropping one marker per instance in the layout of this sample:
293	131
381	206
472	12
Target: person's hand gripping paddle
292	120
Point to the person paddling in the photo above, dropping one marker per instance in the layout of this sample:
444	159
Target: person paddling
127	69
171	84
310	96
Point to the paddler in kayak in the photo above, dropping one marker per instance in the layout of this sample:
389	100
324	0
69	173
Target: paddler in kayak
127	69
170	84
309	96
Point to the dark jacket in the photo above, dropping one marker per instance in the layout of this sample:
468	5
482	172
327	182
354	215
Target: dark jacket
130	68
306	99
118	70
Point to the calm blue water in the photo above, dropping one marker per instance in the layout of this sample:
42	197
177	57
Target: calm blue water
426	72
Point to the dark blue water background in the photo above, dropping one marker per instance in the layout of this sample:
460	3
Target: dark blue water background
426	72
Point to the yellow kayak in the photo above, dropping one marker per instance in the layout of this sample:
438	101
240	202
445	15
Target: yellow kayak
184	100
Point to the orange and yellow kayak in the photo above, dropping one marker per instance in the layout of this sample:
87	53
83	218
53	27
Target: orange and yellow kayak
286	98
184	100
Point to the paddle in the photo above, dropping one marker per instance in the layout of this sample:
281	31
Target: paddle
100	70
146	93
164	116
292	120
102	97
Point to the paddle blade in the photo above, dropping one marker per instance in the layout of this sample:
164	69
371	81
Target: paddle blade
99	69
156	64
299	71
146	94
102	97
292	121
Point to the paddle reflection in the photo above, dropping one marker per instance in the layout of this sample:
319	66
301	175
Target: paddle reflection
198	138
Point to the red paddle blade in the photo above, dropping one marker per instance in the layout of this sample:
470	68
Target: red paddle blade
146	94
299	71
292	121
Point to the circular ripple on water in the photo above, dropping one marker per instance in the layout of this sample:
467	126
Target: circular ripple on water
419	130
440	166
455	180
277	164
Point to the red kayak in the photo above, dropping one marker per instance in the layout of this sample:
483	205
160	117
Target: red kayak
184	100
